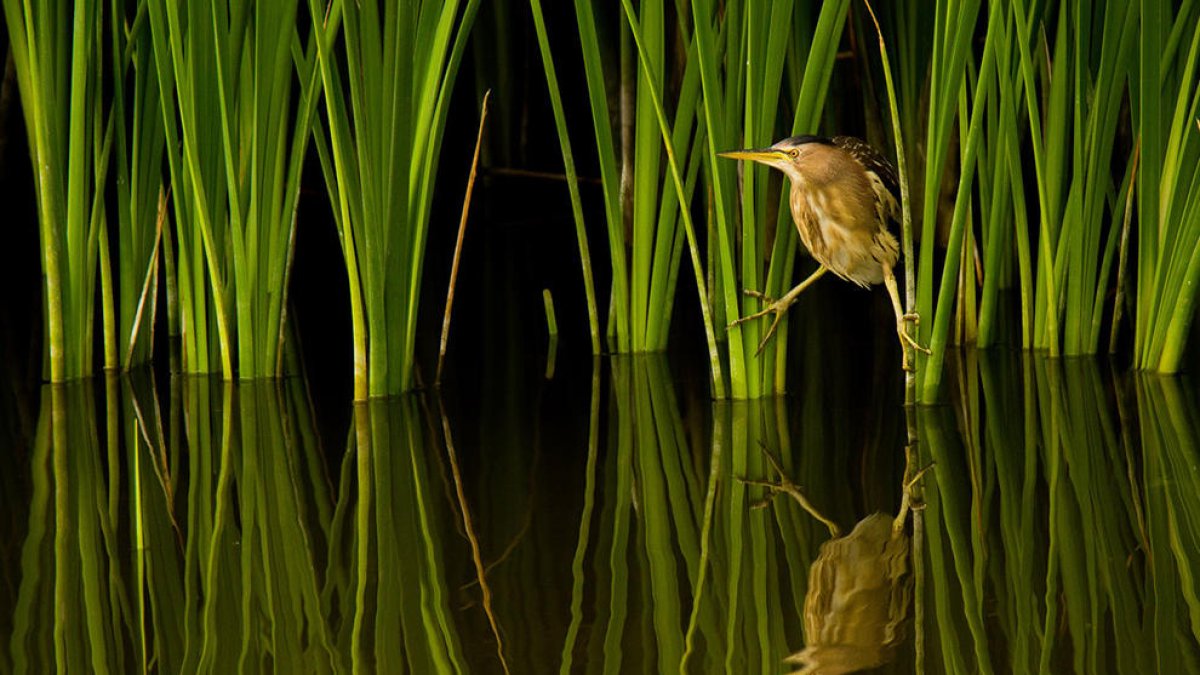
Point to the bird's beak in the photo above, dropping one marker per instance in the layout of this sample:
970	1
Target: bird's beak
763	155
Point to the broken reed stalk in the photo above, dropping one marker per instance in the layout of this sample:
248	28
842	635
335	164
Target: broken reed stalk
551	318
462	229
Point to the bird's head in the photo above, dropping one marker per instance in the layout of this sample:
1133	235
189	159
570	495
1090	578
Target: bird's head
788	155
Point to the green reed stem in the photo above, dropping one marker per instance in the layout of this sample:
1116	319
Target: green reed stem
139	144
1169	190
906	232
938	342
55	50
379	148
560	123
953	29
747	41
718	380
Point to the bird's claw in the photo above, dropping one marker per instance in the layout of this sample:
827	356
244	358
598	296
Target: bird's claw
907	340
773	306
771	488
766	300
910	499
910	483
785	484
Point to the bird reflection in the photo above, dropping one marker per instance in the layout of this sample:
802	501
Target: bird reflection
859	587
858	594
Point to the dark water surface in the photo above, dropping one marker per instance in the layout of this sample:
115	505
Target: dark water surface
595	521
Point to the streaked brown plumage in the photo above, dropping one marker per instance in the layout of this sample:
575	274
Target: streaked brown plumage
858	587
842	197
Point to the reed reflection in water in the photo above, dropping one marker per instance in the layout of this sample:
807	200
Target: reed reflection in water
595	523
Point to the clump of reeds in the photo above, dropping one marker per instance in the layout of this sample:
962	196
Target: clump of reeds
57	52
238	93
1054	152
379	145
1050	84
730	72
649	166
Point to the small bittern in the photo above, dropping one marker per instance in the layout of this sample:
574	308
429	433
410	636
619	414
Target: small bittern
843	195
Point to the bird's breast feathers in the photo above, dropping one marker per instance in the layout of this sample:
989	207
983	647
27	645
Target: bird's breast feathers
842	237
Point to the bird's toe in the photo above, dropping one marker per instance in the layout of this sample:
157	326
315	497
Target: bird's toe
758	294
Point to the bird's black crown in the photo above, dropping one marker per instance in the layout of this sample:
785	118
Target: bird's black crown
807	138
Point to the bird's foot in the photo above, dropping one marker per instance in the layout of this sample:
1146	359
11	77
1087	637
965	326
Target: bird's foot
773	306
785	485
910	499
910	486
773	488
907	340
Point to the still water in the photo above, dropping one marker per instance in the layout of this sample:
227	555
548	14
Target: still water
606	516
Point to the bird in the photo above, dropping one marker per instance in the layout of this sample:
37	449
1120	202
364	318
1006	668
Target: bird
843	194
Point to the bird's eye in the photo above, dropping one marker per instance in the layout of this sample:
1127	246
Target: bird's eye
794	152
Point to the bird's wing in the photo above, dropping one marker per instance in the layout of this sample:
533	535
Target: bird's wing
887	187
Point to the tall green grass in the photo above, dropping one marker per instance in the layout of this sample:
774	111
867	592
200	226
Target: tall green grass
1166	115
230	75
1050	84
388	73
1021	120
670	129
649	167
581	237
196	279
57	51
1074	187
139	145
953	31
